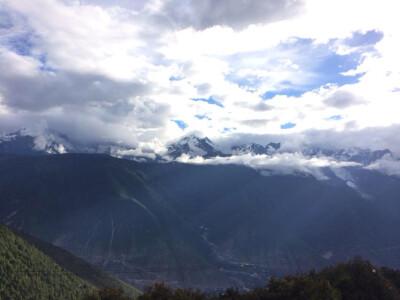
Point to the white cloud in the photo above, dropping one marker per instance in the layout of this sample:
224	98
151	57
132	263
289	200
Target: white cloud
124	70
386	165
17	65
278	164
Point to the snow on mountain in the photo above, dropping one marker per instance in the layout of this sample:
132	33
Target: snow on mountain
354	154
251	148
193	147
20	143
255	149
322	163
51	142
272	147
24	142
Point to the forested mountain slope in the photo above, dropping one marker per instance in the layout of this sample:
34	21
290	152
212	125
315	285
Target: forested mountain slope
26	273
77	266
198	225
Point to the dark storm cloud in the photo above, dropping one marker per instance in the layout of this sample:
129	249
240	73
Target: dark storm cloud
237	14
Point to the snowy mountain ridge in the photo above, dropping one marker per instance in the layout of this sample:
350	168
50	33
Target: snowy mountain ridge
21	142
193	146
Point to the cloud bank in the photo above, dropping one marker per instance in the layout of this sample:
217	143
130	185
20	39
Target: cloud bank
278	164
128	71
386	165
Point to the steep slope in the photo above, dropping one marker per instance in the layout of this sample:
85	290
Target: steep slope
26	273
102	210
197	225
272	220
80	268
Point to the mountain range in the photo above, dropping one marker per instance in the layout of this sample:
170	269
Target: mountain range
270	159
193	146
21	142
51	142
209	225
205	226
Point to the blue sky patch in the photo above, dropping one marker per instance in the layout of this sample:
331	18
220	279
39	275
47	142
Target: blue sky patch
228	129
22	44
330	66
201	117
311	66
334	118
288	125
44	66
175	78
364	39
182	125
5	20
250	82
288	92
210	100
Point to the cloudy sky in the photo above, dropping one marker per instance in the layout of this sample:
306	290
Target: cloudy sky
149	72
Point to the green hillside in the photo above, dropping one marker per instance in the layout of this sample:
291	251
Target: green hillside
77	266
26	273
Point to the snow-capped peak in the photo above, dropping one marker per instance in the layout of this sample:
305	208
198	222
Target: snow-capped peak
194	146
255	149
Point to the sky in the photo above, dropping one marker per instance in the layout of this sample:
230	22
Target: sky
146	73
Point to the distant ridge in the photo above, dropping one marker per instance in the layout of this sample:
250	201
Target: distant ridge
191	146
